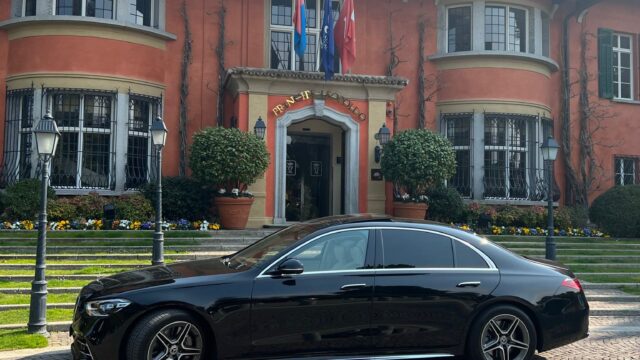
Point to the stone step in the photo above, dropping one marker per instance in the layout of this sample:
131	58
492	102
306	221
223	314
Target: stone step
580	274
623	265
88	278
598	286
71	266
130	256
567	245
51	326
50	290
26	306
120	249
541	249
614	298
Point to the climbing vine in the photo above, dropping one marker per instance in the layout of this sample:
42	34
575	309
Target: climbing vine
184	89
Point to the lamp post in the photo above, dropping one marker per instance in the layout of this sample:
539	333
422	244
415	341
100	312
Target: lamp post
260	128
549	153
47	137
159	137
383	135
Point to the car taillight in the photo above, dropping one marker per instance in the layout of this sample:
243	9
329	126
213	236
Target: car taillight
572	284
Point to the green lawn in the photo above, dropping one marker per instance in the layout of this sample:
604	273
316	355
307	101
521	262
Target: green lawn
20	339
91	270
83	262
611	279
50	284
621	252
604	269
21	316
598	260
633	290
561	239
10	299
88	242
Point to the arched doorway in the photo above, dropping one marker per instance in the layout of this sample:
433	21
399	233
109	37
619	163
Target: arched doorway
314	143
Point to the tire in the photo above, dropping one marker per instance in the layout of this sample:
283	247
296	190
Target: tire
502	333
169	332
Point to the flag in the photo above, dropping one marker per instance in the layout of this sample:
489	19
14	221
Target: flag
300	28
345	35
327	50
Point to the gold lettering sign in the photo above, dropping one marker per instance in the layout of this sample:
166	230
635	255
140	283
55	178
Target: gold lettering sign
307	94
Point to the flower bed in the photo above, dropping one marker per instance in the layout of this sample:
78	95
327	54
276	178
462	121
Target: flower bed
98	224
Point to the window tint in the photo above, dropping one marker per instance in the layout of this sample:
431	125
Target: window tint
467	258
415	249
345	250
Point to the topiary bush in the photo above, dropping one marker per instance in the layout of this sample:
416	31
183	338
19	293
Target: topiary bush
182	198
133	207
62	209
445	205
617	211
509	216
228	158
417	160
23	200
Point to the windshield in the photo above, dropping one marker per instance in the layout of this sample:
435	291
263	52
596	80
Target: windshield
266	249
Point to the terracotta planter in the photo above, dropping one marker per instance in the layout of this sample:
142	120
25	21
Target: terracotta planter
410	210
233	212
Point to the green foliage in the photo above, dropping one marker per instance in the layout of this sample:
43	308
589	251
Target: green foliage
416	160
20	339
533	216
617	211
562	218
133	207
61	209
182	198
23	200
90	206
509	216
228	158
445	205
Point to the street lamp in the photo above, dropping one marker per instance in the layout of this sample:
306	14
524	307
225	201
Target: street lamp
383	135
159	137
47	137
260	128
549	153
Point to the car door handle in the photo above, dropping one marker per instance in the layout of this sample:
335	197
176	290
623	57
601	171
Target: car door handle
352	286
469	284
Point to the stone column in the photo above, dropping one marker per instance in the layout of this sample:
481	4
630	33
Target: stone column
121	133
258	107
478	155
376	189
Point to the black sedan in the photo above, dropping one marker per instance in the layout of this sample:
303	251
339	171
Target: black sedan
345	287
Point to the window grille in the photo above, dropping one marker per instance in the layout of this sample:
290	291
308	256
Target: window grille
509	171
626	171
140	157
18	144
86	154
458	130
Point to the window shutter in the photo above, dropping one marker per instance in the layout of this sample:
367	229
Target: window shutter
605	63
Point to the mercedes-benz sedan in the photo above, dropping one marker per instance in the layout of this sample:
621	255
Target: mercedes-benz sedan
346	287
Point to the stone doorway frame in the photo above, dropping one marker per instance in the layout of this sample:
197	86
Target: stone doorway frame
351	154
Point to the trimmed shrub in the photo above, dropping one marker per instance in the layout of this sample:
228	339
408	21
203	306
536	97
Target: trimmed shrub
133	207
509	216
445	205
418	160
617	211
62	209
533	216
90	206
561	218
182	198
23	200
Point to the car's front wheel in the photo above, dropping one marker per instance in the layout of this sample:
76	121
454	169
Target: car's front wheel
502	333
167	335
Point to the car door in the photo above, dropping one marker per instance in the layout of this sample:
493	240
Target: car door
326	308
427	285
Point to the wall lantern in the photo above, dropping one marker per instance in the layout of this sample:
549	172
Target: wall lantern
47	136
383	136
549	149
260	128
158	132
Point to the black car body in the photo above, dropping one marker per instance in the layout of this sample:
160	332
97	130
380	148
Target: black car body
387	306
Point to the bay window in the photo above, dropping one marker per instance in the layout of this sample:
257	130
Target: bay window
142	111
506	28
85	152
144	12
458	131
18	146
459	28
92	8
29	8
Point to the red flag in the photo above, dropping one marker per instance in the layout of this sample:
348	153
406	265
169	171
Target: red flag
345	35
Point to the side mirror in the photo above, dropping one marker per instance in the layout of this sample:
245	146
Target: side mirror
290	267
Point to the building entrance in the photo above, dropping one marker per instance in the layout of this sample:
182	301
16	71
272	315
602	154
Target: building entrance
309	177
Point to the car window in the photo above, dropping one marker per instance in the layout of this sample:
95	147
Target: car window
415	249
467	257
344	250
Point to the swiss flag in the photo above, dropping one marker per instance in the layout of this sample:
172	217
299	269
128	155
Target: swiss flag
345	35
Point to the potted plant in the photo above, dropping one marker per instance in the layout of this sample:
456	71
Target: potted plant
416	161
230	160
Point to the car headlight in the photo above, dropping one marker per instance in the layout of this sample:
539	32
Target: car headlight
102	308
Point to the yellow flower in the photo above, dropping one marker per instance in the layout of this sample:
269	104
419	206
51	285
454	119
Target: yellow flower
214	226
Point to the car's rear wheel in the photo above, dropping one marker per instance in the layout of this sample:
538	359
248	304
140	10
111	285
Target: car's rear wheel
502	333
167	335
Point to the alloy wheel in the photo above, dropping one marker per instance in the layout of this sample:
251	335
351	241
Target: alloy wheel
505	337
178	340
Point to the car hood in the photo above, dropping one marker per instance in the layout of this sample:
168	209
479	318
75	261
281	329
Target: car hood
558	267
155	276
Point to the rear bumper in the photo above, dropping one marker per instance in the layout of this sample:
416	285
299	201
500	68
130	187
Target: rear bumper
573	327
